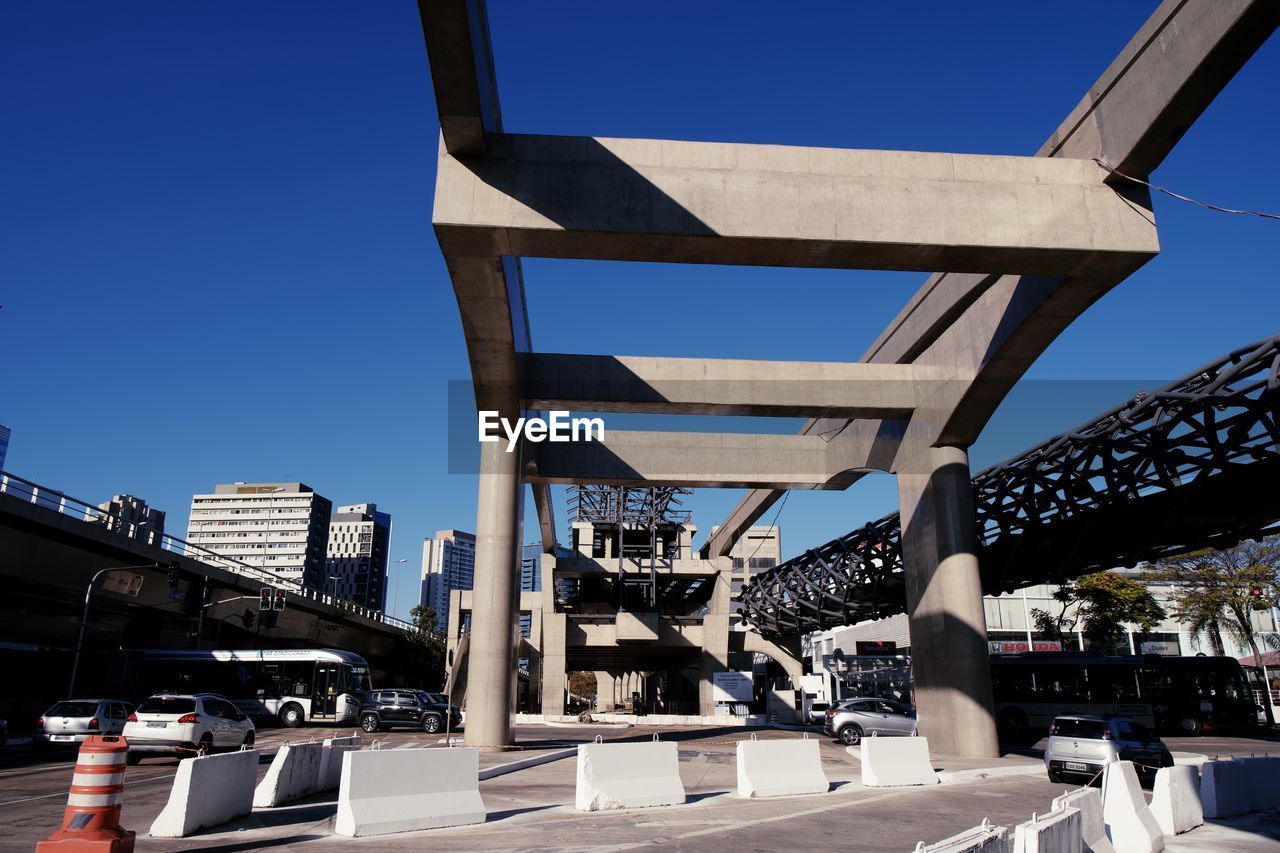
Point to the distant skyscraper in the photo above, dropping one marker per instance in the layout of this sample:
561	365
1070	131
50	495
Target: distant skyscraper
132	517
280	527
448	563
4	444
356	559
757	550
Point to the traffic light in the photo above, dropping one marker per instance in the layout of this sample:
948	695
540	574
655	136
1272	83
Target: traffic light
279	603
264	598
174	576
248	618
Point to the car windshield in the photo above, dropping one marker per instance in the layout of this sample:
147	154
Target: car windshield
73	709
1091	729
167	705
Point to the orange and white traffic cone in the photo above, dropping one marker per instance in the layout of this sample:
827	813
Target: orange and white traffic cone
91	823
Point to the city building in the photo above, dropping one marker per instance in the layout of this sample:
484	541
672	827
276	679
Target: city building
448	563
4	444
757	550
131	517
280	527
530	581
356	557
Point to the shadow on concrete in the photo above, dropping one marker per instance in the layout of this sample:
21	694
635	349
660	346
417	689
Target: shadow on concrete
507	813
258	844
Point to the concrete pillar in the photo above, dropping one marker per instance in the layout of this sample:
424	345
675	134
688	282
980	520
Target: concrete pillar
495	631
950	663
554	678
715	636
604	690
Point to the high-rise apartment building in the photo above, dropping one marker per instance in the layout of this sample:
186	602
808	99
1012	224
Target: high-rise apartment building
132	517
4	444
530	581
356	558
280	527
448	563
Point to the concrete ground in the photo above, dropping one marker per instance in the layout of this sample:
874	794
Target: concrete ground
532	809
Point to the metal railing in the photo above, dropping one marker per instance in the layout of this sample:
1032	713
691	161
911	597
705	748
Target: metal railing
63	504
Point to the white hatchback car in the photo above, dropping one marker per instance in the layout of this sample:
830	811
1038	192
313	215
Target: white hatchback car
178	724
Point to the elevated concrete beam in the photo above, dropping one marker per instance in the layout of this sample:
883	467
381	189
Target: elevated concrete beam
546	516
774	205
456	33
691	459
717	386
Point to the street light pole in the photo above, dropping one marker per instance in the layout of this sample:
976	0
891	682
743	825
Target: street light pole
84	618
395	586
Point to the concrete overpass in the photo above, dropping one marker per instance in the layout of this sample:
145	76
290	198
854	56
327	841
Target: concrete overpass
51	545
1018	247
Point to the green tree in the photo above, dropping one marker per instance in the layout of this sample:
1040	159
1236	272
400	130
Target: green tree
1101	604
1216	590
426	647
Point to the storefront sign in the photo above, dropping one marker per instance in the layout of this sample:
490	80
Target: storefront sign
1014	647
731	686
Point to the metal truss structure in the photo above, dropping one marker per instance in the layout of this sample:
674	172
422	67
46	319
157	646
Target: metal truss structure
1193	465
628	506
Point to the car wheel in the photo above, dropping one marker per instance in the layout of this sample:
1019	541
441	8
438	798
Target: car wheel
431	723
1191	726
1054	777
133	759
248	739
291	715
206	744
851	735
1013	721
369	722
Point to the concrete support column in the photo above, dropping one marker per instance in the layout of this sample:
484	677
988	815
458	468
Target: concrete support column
604	690
495	630
715	636
950	663
554	678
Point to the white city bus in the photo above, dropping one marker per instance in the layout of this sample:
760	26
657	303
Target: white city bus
293	686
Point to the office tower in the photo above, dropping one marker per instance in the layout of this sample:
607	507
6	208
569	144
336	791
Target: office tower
356	558
448	563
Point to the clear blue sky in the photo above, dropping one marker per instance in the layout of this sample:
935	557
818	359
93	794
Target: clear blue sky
216	260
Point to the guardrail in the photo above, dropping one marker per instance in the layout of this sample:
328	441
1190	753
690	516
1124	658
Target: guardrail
64	504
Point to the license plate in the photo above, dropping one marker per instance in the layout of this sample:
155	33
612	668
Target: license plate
1075	765
156	724
62	738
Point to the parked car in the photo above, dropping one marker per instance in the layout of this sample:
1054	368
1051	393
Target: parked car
818	713
852	719
182	724
71	721
411	709
1080	745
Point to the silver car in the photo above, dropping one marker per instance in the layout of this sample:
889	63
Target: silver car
1081	745
851	719
71	721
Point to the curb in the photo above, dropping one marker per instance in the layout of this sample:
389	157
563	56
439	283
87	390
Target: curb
979	773
525	763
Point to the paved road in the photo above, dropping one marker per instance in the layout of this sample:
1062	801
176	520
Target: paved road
533	809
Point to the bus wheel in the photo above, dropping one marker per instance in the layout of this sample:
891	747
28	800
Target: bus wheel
1013	721
291	715
1191	726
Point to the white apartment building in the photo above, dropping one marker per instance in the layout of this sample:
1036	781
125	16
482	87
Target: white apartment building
356	557
448	563
757	550
282	528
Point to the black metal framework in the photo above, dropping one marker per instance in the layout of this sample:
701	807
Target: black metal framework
1190	466
632	507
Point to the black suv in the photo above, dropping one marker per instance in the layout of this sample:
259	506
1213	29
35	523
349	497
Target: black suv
412	709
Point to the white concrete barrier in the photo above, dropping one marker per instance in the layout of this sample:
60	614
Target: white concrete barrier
330	773
1262	778
628	775
1058	831
207	791
1175	799
403	790
1130	824
891	761
778	768
1224	789
1093	831
981	839
293	774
